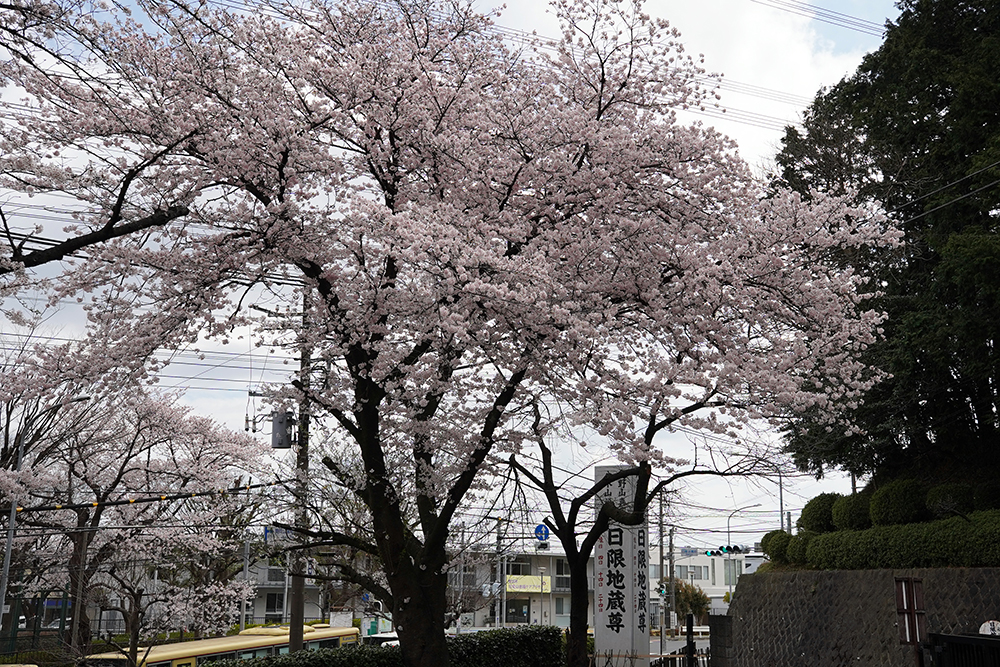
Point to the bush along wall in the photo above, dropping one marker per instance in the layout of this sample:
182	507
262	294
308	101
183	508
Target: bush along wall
852	512
775	546
533	646
972	541
817	515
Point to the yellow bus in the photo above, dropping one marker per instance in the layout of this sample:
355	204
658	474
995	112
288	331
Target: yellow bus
250	643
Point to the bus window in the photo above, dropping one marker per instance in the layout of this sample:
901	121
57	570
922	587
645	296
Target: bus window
216	656
183	662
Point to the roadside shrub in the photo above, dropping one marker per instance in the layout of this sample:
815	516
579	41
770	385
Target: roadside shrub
952	542
852	512
775	545
347	656
817	515
946	500
532	646
898	502
797	546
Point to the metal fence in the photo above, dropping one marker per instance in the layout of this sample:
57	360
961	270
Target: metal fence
963	650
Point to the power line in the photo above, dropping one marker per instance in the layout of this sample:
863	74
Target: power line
838	19
148	499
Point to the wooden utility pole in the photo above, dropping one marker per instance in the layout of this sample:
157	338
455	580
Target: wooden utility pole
297	569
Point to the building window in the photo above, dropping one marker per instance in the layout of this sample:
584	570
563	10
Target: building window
466	580
732	570
274	605
275	574
910	610
562	575
562	609
519	565
689	572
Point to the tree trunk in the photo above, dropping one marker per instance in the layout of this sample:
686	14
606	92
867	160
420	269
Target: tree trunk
78	626
133	631
576	643
418	614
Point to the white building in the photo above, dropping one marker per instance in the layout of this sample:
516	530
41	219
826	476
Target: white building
537	584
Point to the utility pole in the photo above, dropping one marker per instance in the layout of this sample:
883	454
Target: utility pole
5	576
673	594
781	499
246	578
297	601
663	616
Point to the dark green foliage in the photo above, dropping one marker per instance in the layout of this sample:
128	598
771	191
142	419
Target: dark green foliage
691	600
916	130
348	656
797	546
817	515
852	512
954	542
986	496
766	540
945	500
532	646
900	501
775	546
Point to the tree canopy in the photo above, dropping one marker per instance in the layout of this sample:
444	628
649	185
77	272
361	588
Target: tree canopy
916	129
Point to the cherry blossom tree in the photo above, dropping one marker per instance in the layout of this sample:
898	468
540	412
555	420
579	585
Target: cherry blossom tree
86	478
474	229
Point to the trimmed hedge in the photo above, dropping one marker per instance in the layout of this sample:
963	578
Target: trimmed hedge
817	515
775	546
532	646
852	512
954	542
898	502
797	546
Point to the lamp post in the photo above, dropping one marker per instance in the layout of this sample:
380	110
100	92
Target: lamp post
541	592
729	542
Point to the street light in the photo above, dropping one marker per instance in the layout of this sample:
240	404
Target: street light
730	541
541	591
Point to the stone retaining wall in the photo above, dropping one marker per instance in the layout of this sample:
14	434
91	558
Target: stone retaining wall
839	618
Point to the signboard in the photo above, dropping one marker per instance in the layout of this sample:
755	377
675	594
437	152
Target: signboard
990	628
273	534
621	586
528	583
687	552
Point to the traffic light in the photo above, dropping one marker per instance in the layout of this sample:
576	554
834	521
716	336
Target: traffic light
714	553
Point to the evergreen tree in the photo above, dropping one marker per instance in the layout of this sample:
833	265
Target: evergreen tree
917	129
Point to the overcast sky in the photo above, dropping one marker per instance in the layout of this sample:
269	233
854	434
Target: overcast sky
773	54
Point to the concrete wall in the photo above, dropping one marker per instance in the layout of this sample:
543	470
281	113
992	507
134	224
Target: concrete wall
840	618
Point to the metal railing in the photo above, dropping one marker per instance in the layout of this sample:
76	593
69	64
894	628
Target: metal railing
963	650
